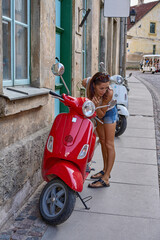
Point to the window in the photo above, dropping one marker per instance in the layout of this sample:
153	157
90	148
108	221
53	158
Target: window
152	27
16	42
154	49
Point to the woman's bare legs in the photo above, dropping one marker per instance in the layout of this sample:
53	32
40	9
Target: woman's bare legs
109	142
106	133
101	134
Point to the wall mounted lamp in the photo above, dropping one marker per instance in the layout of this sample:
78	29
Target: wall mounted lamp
85	17
132	16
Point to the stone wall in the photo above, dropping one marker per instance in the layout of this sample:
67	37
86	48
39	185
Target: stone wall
20	172
1	50
133	65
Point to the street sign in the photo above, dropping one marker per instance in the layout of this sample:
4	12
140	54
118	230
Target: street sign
116	8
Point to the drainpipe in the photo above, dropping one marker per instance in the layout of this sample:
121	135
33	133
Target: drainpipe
122	52
125	44
121	46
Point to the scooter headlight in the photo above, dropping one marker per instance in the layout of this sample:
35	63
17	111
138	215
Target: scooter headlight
119	79
88	108
116	79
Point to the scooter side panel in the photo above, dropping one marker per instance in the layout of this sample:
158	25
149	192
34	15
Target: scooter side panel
67	171
120	94
78	131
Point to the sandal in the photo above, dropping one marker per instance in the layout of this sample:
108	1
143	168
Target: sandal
103	184
97	177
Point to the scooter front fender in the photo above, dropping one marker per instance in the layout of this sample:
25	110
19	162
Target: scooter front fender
68	172
122	110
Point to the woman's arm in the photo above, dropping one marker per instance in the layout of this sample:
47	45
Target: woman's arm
84	82
102	111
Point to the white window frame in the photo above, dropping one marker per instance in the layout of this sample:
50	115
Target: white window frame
13	81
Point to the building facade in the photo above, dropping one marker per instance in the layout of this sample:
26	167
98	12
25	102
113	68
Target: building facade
32	35
143	37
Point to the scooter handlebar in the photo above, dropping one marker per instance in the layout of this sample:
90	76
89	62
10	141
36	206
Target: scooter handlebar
56	95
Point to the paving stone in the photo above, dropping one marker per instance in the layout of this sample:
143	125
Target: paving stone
32	217
33	238
5	236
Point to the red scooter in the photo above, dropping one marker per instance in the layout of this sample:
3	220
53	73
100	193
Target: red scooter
70	146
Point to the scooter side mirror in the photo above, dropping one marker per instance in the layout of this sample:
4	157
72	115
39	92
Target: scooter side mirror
112	103
57	69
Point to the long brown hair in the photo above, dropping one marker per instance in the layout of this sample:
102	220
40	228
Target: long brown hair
97	78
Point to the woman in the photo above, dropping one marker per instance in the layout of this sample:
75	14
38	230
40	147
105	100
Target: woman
99	91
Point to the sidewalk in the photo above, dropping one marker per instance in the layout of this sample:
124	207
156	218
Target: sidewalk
129	208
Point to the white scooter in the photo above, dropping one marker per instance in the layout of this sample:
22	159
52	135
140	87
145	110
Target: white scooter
120	94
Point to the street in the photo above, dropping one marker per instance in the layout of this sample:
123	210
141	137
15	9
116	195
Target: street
152	79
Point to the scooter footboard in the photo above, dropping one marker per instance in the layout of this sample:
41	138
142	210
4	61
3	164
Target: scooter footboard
68	172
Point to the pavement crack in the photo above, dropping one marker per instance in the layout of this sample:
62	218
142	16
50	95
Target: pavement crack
141	115
116	214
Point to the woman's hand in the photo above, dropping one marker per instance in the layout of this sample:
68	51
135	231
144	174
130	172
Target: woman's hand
96	101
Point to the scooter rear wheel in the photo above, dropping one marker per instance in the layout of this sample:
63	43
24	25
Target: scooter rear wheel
56	202
121	125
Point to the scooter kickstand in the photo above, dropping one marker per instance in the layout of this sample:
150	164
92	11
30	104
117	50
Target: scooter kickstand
84	202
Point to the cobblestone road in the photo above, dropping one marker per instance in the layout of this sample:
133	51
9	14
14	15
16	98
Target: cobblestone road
27	225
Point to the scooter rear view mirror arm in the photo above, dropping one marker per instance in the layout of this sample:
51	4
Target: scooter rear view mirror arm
65	85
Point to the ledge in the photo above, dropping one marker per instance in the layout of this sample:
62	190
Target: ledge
18	99
20	92
152	34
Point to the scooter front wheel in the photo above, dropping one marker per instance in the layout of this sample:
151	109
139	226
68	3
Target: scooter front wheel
56	202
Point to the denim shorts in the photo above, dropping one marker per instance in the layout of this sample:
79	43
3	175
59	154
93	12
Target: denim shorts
111	115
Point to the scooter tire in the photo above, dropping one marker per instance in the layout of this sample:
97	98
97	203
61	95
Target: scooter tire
121	125
56	202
